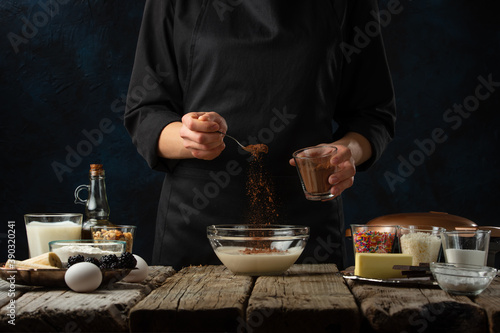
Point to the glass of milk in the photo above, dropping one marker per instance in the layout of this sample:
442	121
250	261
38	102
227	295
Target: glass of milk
466	246
45	227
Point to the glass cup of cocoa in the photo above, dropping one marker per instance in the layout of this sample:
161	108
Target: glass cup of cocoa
314	167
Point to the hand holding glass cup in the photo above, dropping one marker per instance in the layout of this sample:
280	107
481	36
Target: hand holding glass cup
314	167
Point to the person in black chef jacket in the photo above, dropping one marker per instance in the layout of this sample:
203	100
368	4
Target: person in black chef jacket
288	74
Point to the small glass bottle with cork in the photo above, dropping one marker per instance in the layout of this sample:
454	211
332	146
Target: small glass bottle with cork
96	205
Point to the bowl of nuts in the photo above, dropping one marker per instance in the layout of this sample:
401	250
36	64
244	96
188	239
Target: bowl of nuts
124	233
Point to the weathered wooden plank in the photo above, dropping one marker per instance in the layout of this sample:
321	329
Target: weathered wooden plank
202	298
388	308
309	298
62	310
489	299
9	292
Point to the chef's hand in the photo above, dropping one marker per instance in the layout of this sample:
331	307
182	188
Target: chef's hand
199	136
343	177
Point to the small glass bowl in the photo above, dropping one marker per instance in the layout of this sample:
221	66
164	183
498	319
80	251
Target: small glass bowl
421	242
373	238
462	279
124	233
86	247
258	249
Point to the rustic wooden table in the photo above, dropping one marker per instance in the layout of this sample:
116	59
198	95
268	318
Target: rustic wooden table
308	298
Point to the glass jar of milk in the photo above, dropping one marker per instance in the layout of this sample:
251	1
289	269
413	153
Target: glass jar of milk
44	228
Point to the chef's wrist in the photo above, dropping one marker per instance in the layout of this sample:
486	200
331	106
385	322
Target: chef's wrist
359	146
170	144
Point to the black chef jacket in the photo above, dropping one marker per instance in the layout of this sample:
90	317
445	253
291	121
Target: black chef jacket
289	74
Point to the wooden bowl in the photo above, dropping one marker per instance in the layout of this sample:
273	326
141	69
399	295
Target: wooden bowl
434	219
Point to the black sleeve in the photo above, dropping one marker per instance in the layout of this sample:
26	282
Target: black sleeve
155	96
366	98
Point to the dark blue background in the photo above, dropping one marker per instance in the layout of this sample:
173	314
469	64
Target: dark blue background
70	75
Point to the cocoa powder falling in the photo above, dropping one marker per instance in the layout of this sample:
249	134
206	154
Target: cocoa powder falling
260	189
262	201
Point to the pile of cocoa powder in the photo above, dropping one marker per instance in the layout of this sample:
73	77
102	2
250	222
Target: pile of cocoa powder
257	250
257	149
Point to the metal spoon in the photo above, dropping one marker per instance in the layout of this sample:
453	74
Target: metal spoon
239	144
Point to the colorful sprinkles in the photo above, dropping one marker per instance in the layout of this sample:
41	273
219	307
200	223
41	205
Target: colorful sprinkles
373	241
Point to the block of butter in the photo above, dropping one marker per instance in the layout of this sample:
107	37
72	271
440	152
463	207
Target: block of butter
379	265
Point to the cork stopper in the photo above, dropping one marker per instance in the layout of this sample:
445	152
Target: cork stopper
96	170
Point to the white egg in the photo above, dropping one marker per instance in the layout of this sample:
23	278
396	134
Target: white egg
83	277
139	273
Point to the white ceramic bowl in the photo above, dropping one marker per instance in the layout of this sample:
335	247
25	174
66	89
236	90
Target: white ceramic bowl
258	249
462	279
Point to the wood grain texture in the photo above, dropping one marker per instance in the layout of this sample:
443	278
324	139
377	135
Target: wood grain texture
9	292
489	299
201	298
62	310
399	309
309	298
